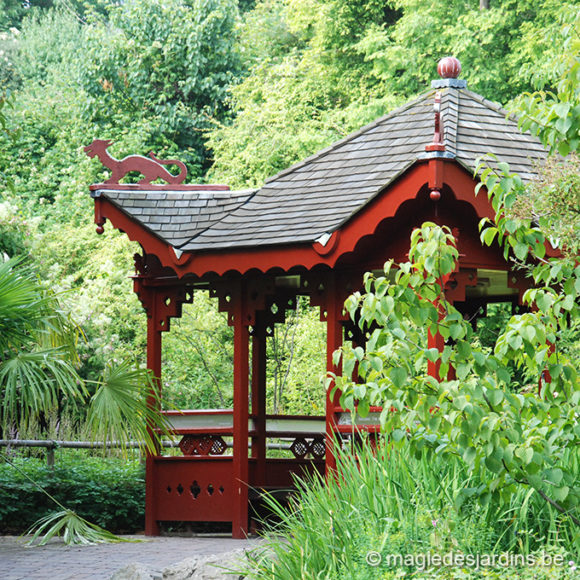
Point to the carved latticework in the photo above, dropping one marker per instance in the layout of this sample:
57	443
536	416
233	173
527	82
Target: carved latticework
301	447
202	445
318	448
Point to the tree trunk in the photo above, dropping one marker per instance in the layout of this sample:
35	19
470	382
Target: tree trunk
484	4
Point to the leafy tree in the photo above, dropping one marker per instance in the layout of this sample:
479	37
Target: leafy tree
11	13
333	66
306	89
528	438
516	438
59	61
37	354
503	49
554	116
171	61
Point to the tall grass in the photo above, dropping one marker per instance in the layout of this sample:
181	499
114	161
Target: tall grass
391	502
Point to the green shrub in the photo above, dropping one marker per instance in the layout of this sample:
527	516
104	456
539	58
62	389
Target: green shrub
106	491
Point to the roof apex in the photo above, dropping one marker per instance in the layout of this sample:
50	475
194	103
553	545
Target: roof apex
449	84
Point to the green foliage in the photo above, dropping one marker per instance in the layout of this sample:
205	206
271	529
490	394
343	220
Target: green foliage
553	199
555	116
91	274
295	365
37	348
119	409
509	439
47	48
331	525
334	66
158	99
170	61
14	231
38	373
307	89
109	492
198	358
496	47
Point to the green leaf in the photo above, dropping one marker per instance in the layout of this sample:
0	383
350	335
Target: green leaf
554	476
529	332
469	427
503	375
432	354
462	370
563	148
488	235
398	376
495	396
455	331
561	493
463	348
493	464
521	250
525	454
397	435
469	455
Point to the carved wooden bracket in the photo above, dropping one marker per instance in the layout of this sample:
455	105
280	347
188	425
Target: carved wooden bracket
162	302
318	287
258	295
457	282
520	282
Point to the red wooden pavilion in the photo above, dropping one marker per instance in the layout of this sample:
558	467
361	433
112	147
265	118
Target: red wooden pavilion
314	229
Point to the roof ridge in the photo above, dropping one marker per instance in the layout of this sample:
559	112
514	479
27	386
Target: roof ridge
450	129
493	105
349	137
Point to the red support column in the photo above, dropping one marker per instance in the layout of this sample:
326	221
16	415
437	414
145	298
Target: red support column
241	415
333	341
154	344
259	398
438	342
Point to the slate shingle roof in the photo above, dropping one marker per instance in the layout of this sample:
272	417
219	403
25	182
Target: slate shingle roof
323	192
176	216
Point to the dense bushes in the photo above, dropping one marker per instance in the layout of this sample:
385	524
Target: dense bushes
106	491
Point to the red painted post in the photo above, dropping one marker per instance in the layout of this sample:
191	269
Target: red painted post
154	345
438	342
333	341
259	398
241	415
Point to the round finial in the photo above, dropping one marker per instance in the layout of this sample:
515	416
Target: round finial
100	229
449	67
435	195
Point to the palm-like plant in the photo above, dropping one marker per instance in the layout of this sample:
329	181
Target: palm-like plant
38	362
37	348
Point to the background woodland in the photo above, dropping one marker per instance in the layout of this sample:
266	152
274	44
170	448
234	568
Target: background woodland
238	90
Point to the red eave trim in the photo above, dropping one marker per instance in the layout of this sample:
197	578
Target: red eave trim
364	223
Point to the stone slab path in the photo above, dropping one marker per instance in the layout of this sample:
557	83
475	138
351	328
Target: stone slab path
56	561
